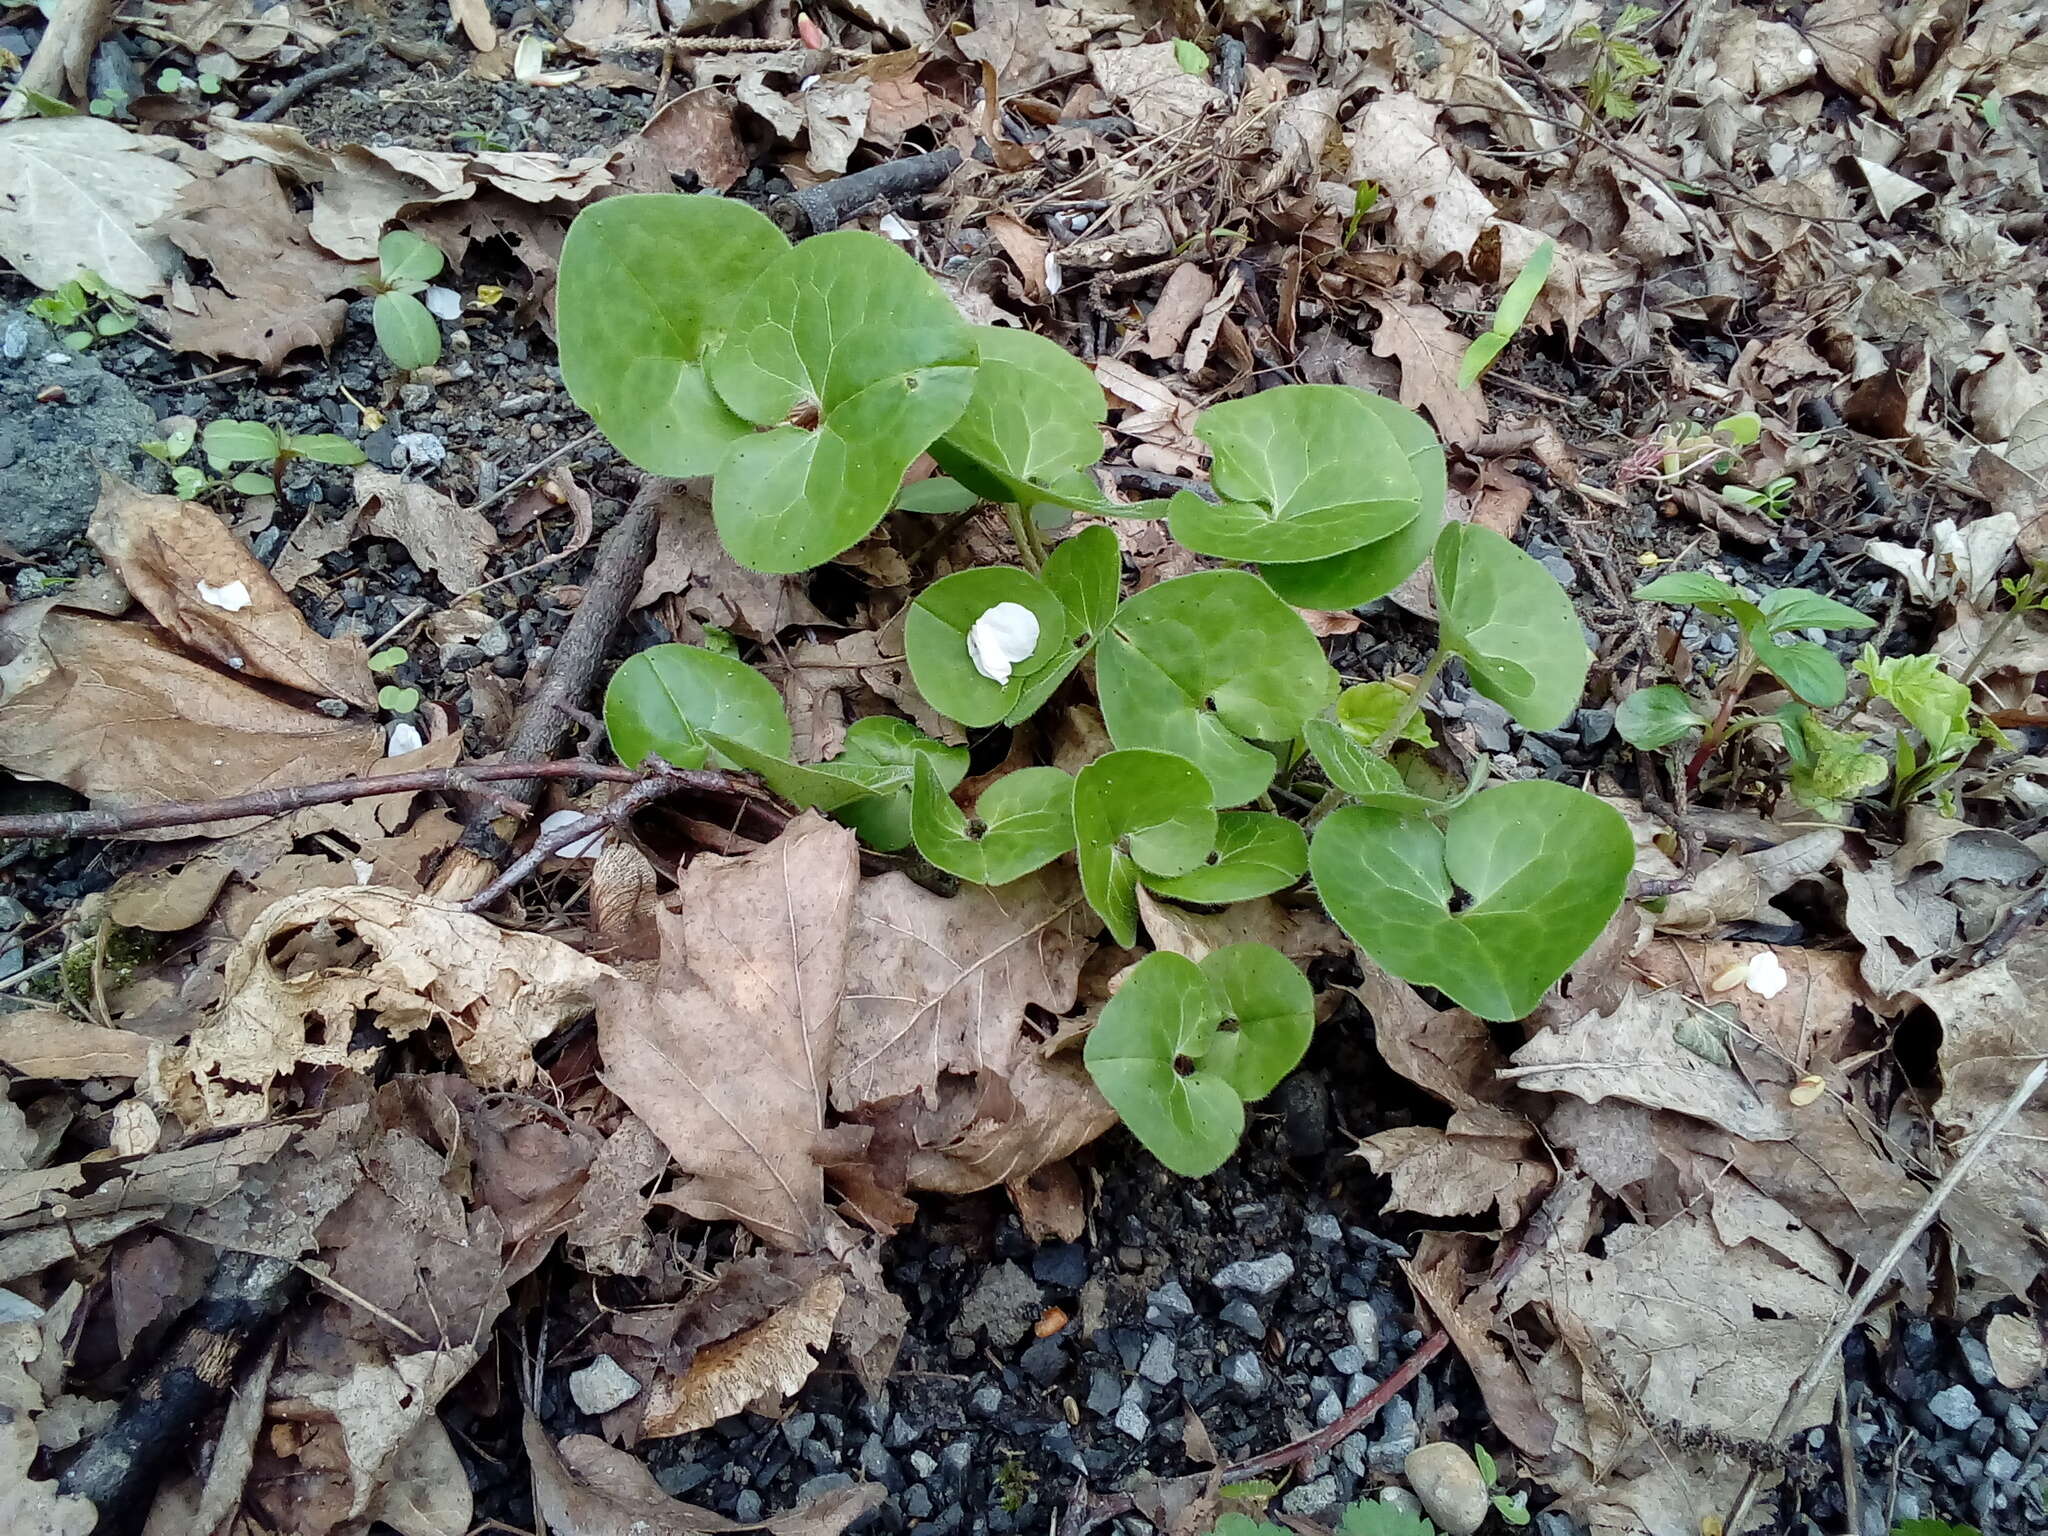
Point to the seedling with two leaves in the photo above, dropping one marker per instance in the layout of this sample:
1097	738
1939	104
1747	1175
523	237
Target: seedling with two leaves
84	310
227	444
406	332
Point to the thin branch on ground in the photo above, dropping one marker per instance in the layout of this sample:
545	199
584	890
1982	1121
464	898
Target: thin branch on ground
657	785
1831	1346
308	83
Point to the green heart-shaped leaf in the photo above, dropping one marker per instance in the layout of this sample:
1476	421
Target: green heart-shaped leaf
1306	471
1182	1047
406	333
1203	665
1808	669
935	639
1656	717
1022	822
1032	426
1138	812
1367	709
403	257
646	287
1256	854
851	325
1542	866
1086	573
883	741
1353	767
664	701
828	787
1512	623
1372	571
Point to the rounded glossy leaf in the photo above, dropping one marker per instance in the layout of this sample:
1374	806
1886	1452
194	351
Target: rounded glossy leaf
1808	669
1203	665
227	443
1256	854
828	787
1306	471
849	325
935	639
663	701
1022	822
1353	767
406	333
1181	1047
647	285
1138	812
937	496
1086	573
1032	426
1541	866
1655	717
1512	623
883	741
1373	570
403	257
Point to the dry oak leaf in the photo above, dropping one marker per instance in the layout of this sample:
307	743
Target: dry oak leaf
200	583
1151	82
380	1408
690	562
939	985
118	713
1484	1158
694	134
41	1042
312	963
452	541
81	194
588	1488
1437	1276
756	1368
1430	353
29	1507
729	1052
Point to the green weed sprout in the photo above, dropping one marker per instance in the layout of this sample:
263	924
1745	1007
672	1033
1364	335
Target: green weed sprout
406	332
1515	305
84	310
229	443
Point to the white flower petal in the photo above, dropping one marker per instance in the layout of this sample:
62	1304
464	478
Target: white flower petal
1767	976
584	847
234	597
402	737
1001	638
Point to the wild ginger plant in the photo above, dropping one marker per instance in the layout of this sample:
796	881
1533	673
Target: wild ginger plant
806	379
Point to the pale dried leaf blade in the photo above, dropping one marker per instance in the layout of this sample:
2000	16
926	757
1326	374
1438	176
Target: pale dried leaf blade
760	1366
454	542
29	1507
41	1042
81	194
728	1054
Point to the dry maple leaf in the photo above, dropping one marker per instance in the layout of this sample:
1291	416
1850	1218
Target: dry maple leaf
728	1053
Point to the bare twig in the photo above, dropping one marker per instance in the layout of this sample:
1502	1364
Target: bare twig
1853	1314
308	83
820	209
656	786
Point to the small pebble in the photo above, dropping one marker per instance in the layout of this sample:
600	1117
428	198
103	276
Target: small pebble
1157	1366
1244	1317
747	1507
1324	1227
1364	1322
1131	1420
1447	1481
1956	1407
602	1385
1169	1304
1312	1498
1244	1373
1256	1277
1350	1359
987	1401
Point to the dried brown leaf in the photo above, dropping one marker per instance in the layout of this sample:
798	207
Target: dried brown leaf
41	1042
694	135
756	1369
29	1507
1485	1158
1430	353
1148	79
198	581
999	1133
690	562
452	541
1438	209
729	1053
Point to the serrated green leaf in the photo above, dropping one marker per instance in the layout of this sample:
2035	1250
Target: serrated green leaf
1934	704
1543	867
1256	854
1182	1047
1202	666
1025	820
882	741
227	443
1655	717
1032	426
406	332
647	285
851	324
663	702
935	640
1513	625
1369	1517
1367	709
326	448
1306	471
1372	571
403	257
1138	812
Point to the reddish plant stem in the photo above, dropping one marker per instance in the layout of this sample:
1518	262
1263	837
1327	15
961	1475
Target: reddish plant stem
1326	1438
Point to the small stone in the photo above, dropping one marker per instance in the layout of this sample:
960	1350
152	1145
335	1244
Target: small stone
420	450
1401	1499
1352	1451
1044	1360
876	1464
2001	1466
922	1464
602	1385
334	709
987	1401
747	1507
1363	1319
1004	1302
1244	1317
797	1428
1956	1407
1256	1277
1244	1374
1169	1304
918	1503
1131	1420
1349	1360
1447	1481
1324	1227
1064	1265
1311	1498
1977	1360
1329	1408
1104	1394
822	1484
1398	1437
1157	1366
957	1456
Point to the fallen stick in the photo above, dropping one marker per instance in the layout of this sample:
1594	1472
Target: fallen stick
118	1470
819	210
308	83
1831	1346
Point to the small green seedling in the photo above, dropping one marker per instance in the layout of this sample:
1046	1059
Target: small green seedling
1620	62
1937	707
1363	1517
397	700
188	480
84	310
1190	57
172	81
1931	1527
1515	305
406	332
1022	822
110	103
1182	1048
1364	198
1138	815
390	659
1772	501
1514	1510
1828	769
228	443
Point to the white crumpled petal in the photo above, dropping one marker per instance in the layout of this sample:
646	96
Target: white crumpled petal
402	737
1767	976
1001	638
234	597
584	847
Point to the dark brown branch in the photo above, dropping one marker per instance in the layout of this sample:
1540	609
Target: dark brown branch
656	786
823	208
282	802
119	1469
306	84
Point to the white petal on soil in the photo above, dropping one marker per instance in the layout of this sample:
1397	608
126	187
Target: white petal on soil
584	847
401	738
234	597
1767	976
1001	638
442	303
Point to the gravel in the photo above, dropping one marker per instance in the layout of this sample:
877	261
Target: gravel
1004	1303
1956	1407
1318	1496
1256	1277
